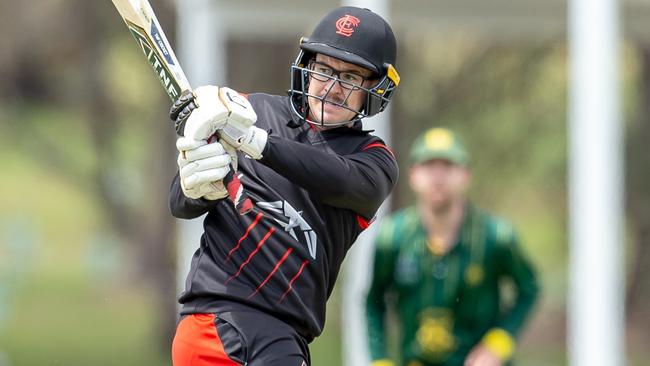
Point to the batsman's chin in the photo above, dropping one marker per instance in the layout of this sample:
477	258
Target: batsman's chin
333	121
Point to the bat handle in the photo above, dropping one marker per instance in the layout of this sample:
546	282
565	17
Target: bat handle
236	193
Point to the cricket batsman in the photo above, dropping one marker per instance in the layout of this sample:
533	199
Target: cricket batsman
259	281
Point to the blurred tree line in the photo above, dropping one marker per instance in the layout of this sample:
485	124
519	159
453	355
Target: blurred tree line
110	138
114	140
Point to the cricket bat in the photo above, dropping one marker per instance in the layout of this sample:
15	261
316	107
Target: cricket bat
145	28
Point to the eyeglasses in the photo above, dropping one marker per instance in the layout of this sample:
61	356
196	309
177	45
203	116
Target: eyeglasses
347	80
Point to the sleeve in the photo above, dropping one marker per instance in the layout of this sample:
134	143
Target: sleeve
359	181
382	279
183	207
516	266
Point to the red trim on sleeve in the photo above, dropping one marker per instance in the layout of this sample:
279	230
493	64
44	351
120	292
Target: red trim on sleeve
363	223
379	145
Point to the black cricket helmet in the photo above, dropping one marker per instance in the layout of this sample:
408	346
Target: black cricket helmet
353	35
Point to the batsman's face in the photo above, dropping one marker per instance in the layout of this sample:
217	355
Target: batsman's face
439	183
335	93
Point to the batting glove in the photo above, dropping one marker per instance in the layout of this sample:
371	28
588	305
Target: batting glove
224	111
202	167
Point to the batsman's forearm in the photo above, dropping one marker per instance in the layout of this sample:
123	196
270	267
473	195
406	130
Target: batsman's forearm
359	181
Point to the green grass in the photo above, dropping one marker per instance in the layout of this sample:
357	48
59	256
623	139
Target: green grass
57	309
70	321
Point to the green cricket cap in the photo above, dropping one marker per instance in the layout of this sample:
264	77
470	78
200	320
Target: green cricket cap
438	143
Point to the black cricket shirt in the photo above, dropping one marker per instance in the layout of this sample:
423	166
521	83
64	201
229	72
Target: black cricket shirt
313	192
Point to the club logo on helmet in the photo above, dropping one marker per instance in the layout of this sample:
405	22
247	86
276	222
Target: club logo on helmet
346	24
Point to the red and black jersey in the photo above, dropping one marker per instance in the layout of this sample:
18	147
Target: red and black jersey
313	192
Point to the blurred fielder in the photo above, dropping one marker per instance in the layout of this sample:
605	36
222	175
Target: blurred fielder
439	264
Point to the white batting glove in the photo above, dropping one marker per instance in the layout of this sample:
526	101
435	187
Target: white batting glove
227	112
202	167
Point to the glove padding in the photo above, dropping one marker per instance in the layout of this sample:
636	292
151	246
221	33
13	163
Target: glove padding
223	111
202	167
181	109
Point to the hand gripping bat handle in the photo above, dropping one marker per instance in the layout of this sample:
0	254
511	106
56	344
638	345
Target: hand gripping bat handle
236	193
180	111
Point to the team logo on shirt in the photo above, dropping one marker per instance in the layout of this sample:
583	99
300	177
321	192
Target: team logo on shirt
295	225
474	274
435	338
407	269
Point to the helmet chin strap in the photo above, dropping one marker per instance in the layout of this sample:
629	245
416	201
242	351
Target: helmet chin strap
328	125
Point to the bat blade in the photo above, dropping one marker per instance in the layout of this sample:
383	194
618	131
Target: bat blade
145	28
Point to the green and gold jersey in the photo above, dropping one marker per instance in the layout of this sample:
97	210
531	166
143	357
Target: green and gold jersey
447	303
